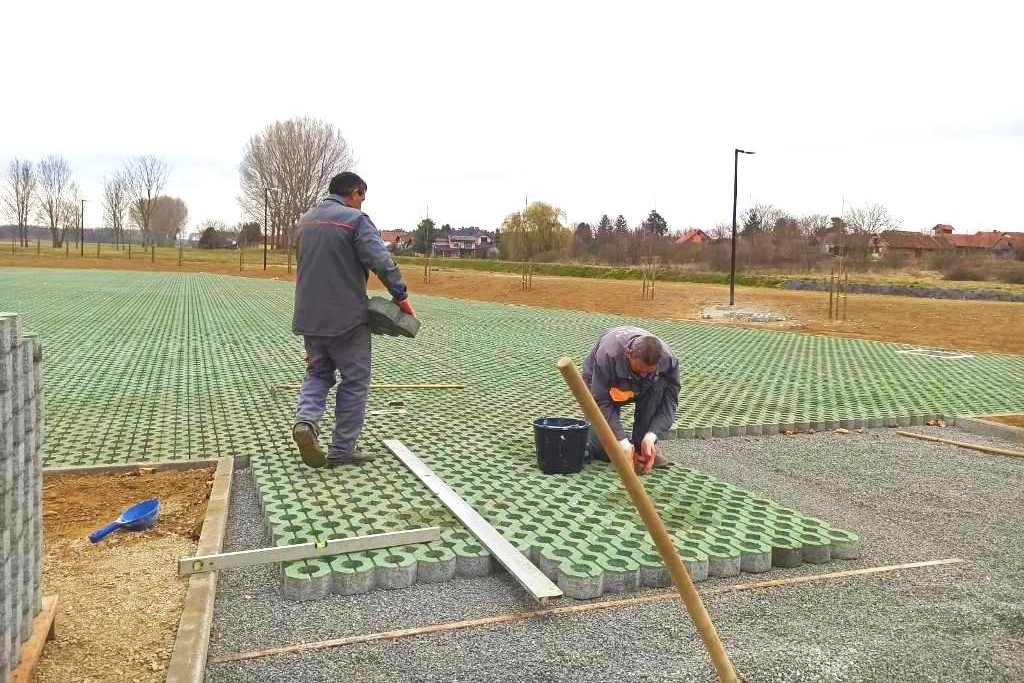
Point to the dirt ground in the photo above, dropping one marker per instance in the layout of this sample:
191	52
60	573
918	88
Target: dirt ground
119	601
981	326
1012	420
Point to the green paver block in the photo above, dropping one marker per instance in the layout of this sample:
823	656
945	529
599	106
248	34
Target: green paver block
306	580
352	574
395	568
435	563
580	579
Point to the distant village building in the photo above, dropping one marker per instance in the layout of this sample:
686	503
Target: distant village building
943	239
465	243
693	236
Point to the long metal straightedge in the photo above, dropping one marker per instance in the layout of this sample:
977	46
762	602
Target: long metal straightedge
524	571
305	551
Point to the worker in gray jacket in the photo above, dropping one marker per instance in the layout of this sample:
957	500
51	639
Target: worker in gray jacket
630	365
338	246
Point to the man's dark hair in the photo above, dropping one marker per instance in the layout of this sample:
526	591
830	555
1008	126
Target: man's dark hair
344	184
647	350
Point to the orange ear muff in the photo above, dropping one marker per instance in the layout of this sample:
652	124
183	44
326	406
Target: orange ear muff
620	395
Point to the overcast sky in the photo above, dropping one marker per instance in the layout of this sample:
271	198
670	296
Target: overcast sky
594	107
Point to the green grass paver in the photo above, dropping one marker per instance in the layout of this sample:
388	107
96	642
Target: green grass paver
166	366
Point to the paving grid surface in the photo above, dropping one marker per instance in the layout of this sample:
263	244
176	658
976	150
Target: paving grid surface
168	366
914	501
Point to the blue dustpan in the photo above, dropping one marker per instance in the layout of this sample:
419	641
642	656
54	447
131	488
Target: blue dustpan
136	518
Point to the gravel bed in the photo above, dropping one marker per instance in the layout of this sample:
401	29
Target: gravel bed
909	500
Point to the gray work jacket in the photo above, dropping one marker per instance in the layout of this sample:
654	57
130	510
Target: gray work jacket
613	384
338	246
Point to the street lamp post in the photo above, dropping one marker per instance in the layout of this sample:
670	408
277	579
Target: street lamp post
266	202
81	230
735	188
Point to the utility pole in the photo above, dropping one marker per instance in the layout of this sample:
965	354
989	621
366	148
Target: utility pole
266	202
81	231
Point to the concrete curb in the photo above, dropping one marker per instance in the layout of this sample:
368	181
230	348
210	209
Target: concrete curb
192	643
981	427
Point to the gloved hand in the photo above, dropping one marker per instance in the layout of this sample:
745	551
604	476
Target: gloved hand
648	452
405	307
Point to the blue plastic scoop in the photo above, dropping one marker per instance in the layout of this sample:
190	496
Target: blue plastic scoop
138	517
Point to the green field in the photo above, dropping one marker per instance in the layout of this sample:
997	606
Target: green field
157	366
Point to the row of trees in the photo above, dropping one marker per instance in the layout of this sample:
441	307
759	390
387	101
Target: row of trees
768	237
218	235
47	191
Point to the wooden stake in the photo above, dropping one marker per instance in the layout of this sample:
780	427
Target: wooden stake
656	528
963	444
571	609
831	290
44	628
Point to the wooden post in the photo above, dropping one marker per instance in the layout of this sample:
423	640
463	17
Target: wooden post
37	246
67	253
831	288
179	255
129	251
656	528
97	247
152	253
846	289
241	254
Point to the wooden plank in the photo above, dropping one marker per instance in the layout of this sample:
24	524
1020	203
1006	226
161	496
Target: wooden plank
531	578
416	386
44	628
383	387
191	645
571	609
125	467
962	444
305	551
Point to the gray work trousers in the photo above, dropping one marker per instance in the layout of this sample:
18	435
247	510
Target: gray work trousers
647	406
349	355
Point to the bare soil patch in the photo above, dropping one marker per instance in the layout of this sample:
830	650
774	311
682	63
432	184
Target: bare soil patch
120	600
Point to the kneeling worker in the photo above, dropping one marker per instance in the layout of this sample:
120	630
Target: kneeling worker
630	365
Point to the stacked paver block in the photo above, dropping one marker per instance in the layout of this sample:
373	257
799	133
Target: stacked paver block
21	474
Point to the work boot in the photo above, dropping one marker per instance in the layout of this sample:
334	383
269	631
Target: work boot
306	439
354	458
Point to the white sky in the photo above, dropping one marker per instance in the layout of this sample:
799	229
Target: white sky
595	107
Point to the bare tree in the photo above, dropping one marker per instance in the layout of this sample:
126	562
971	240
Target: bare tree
54	185
760	218
145	178
166	221
814	225
864	223
870	219
297	158
20	197
68	215
721	231
115	205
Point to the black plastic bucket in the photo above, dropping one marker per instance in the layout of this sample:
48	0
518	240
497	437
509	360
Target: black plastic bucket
561	444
